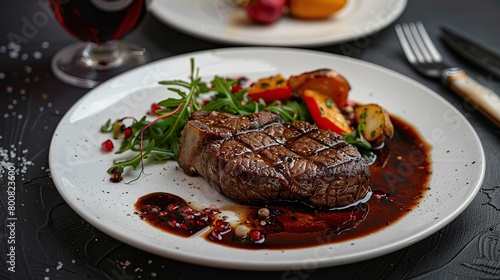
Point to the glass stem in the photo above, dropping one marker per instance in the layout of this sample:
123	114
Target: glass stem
102	56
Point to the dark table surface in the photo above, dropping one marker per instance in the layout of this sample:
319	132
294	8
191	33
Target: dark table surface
52	242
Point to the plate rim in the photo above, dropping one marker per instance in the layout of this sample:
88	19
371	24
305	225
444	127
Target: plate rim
274	265
314	42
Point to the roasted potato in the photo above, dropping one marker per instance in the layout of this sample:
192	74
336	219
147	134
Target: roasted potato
378	125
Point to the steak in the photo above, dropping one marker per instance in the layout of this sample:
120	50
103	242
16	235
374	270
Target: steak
260	158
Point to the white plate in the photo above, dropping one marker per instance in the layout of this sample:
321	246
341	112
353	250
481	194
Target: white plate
220	21
78	166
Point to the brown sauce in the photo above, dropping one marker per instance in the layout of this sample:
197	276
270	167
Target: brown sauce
399	179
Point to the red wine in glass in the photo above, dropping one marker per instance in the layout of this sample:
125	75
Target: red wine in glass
99	24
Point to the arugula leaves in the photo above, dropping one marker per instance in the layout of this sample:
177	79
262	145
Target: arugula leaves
364	147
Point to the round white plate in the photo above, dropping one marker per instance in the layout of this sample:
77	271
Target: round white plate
78	165
221	21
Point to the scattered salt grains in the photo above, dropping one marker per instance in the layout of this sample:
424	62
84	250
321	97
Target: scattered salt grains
13	54
24	56
3	49
9	157
2	75
45	45
59	265
37	55
46	278
47	269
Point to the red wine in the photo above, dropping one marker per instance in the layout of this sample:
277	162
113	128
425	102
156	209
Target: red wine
98	20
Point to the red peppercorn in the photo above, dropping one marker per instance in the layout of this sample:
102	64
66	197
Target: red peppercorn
107	146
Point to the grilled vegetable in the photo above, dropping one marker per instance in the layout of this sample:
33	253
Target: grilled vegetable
326	81
270	89
325	112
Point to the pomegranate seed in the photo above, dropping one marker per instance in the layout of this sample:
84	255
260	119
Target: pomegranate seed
203	218
155	107
107	146
222	227
163	213
173	223
212	209
235	89
186	210
257	236
380	195
172	207
189	219
146	208
128	132
214	235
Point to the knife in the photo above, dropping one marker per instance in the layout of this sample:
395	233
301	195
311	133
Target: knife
472	51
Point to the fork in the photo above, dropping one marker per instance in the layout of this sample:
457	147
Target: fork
426	59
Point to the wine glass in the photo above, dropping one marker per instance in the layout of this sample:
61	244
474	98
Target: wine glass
99	24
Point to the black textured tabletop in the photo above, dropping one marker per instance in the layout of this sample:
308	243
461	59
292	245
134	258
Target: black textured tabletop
51	241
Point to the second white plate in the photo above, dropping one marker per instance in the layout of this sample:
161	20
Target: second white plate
221	21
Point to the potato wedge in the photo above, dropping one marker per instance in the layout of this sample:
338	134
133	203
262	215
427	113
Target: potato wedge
377	122
326	81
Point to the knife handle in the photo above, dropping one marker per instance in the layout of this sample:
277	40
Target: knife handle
482	98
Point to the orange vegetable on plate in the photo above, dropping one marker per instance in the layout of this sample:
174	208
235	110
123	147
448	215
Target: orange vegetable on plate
270	89
324	112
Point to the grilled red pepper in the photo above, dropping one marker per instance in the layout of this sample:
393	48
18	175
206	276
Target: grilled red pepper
325	112
270	89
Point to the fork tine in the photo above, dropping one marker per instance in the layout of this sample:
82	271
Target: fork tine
408	35
420	42
428	42
404	44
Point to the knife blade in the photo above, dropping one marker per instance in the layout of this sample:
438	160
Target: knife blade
472	51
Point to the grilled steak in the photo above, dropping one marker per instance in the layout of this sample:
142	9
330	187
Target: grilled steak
260	158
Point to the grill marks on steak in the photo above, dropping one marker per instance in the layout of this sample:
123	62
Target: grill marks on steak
260	158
